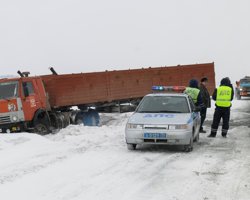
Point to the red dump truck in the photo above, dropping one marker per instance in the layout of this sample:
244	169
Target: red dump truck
43	103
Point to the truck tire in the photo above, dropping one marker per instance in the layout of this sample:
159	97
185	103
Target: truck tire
56	122
41	128
41	123
79	118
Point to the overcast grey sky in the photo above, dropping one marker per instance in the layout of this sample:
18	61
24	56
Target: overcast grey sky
94	35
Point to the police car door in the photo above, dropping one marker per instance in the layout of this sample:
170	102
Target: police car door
195	115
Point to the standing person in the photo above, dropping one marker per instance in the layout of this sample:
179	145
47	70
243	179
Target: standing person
237	90
206	101
223	96
193	91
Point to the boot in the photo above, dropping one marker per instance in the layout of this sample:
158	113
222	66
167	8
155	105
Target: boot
212	134
224	133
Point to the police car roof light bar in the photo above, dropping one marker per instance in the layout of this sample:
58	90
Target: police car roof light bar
168	88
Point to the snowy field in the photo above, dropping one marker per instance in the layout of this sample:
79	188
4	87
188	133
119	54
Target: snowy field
93	163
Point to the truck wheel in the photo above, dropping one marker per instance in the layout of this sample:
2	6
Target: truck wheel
41	122
41	128
79	121
131	146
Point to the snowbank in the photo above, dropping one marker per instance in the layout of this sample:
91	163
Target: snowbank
93	163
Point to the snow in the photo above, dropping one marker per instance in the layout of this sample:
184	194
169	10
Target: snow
93	163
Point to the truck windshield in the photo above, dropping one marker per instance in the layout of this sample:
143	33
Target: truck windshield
163	104
245	82
8	90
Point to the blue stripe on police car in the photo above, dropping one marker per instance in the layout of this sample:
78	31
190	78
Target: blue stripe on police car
160	115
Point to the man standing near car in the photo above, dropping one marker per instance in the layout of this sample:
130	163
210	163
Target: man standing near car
206	101
194	92
223	96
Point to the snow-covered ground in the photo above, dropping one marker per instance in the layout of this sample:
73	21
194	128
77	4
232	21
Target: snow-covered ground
89	163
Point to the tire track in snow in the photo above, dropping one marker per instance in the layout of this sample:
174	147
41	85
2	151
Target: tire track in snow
21	169
241	166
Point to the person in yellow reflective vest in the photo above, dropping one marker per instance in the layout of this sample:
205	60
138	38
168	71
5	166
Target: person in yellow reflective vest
223	96
194	92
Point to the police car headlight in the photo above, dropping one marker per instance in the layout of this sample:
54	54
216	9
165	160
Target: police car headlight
182	126
171	127
14	118
241	89
179	126
134	126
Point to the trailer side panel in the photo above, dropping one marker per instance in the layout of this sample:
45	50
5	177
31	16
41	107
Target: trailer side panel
108	86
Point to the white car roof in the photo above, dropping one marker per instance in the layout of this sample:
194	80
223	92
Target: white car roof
168	94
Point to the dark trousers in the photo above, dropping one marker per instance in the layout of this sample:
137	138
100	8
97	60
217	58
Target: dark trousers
203	114
219	113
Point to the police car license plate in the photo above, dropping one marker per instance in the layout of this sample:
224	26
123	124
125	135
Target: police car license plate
154	135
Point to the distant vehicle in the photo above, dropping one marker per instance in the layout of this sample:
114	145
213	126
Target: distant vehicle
164	119
243	88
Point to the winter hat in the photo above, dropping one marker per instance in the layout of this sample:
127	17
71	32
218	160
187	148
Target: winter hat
193	83
204	79
225	81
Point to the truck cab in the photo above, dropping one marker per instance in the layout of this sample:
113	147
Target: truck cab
20	100
243	87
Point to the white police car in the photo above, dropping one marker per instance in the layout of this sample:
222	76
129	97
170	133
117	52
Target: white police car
164	118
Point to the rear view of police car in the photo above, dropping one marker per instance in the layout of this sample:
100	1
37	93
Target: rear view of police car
166	119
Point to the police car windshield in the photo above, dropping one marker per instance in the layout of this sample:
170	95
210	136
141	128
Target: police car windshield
8	90
163	104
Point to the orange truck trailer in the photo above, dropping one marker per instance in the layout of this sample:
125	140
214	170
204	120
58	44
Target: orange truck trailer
43	103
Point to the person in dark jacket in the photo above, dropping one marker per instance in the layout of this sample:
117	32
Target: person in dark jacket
223	96
194	92
205	96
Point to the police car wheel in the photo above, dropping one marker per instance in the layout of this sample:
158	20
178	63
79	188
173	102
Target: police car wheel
189	147
131	146
197	138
